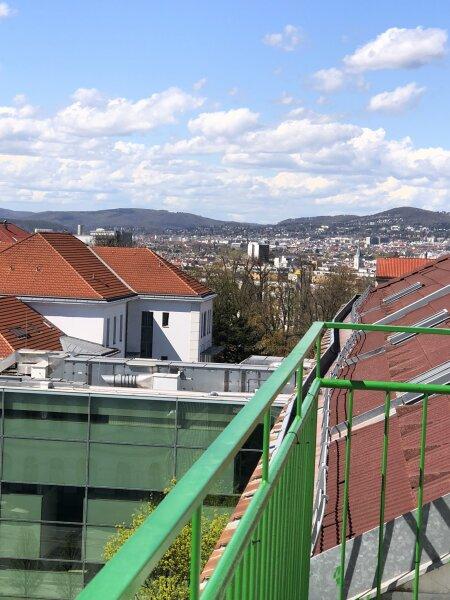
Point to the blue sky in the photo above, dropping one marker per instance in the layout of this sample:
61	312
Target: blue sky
239	110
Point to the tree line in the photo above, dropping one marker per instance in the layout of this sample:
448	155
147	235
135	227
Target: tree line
262	311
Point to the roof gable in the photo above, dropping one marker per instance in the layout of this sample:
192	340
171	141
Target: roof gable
146	272
11	233
23	327
57	265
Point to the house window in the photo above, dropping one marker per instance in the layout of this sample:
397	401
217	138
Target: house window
163	357
114	330
107	331
121	328
165	319
146	334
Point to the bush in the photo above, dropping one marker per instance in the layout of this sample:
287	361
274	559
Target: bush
170	579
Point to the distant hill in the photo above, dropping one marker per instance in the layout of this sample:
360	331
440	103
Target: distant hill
156	221
407	215
144	219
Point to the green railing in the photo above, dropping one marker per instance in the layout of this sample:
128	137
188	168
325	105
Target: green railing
268	556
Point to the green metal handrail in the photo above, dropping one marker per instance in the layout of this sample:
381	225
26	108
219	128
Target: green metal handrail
247	561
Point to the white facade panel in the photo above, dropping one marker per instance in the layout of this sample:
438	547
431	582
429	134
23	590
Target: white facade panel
87	321
180	338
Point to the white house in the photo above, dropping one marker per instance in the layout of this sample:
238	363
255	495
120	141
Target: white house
171	317
130	299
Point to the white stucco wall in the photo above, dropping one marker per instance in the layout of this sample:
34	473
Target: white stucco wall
87	321
181	339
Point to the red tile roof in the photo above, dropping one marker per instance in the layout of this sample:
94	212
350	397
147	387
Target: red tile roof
10	233
23	327
401	362
389	268
146	272
57	265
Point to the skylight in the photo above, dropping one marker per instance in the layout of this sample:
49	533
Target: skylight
432	321
404	292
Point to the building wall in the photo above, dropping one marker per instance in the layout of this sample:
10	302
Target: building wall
181	339
88	321
89	474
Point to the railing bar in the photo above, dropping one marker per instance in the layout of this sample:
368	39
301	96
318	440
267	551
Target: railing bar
276	536
419	516
385	386
348	442
386	328
267	536
318	348
266	446
387	410
196	541
299	379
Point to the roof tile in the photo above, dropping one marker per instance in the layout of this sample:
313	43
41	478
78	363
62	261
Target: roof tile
146	272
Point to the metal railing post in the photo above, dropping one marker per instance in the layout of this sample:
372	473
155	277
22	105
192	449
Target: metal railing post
348	443
266	444
196	550
299	398
384	458
318	349
419	516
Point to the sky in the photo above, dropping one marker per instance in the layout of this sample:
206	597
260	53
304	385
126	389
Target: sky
249	111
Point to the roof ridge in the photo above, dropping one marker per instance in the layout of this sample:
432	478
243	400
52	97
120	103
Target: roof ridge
67	262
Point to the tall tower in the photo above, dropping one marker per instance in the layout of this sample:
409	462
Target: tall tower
357	259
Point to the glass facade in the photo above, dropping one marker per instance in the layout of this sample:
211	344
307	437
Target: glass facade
75	465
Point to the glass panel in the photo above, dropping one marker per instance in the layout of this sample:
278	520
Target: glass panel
96	538
132	420
34	579
20	540
224	482
42	502
47	415
21	506
31	461
199	423
132	467
61	541
102	511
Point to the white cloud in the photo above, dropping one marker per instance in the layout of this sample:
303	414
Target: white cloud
329	80
286	40
200	84
399	48
286	99
224	123
398	100
230	163
6	11
87	97
120	116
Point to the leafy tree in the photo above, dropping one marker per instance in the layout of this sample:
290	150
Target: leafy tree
170	579
260	311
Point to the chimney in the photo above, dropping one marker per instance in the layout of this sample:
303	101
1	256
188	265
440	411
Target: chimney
80	229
